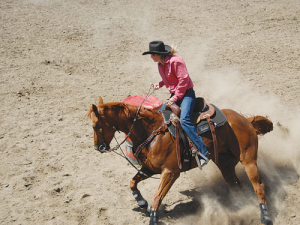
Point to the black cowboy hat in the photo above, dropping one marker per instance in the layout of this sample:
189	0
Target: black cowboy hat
158	47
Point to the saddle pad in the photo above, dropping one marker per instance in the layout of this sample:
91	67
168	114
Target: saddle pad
218	118
151	102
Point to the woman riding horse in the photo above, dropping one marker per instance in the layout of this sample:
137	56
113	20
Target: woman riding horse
175	77
237	142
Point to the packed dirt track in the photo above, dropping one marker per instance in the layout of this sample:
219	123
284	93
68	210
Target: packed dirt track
58	57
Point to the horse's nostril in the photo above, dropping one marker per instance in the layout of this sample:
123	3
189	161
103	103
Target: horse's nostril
102	148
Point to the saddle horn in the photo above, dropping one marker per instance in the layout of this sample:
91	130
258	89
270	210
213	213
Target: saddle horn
174	108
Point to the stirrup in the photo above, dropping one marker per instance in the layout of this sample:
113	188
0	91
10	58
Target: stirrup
203	162
200	162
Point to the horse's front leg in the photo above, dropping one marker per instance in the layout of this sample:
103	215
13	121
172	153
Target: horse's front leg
136	193
167	179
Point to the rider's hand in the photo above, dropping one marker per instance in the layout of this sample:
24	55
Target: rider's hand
156	86
170	102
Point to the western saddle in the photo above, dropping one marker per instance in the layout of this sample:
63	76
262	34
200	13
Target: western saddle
202	111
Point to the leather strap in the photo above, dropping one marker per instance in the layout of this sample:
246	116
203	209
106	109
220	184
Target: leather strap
213	133
149	139
177	143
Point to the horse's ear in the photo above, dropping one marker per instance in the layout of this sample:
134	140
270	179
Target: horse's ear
100	101
95	110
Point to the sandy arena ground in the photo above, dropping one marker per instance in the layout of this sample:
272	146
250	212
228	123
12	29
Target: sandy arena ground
58	56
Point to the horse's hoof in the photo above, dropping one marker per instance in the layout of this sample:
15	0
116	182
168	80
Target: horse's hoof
153	218
266	221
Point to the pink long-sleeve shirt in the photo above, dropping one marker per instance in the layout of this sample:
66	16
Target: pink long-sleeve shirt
175	76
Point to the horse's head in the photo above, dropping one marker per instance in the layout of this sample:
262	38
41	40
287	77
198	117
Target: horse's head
103	130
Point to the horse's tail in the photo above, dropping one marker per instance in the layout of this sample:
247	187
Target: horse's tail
261	124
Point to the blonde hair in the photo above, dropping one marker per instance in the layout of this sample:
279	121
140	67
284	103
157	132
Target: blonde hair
172	52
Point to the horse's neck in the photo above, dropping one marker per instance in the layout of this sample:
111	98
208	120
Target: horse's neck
121	117
126	122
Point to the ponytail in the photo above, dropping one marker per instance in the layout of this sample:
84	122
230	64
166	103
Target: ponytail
173	51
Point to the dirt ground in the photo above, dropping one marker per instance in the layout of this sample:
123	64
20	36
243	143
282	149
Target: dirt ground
57	57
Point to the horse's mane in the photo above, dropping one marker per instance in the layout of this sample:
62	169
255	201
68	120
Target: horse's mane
131	111
119	109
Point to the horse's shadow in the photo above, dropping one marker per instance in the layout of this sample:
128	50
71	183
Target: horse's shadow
180	209
275	181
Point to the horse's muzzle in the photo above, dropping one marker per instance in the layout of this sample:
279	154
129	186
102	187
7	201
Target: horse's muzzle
102	148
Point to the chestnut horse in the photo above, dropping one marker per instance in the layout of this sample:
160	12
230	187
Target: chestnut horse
237	142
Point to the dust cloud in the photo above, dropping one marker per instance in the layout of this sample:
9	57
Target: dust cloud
278	155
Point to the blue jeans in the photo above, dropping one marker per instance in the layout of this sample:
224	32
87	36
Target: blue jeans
187	104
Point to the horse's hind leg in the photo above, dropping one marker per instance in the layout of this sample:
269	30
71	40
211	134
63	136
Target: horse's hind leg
259	188
136	193
226	164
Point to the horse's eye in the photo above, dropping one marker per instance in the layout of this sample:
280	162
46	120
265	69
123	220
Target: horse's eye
95	127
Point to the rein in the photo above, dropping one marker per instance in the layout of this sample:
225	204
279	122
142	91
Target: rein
118	146
124	156
135	117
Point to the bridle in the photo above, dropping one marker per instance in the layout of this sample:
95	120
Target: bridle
103	147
